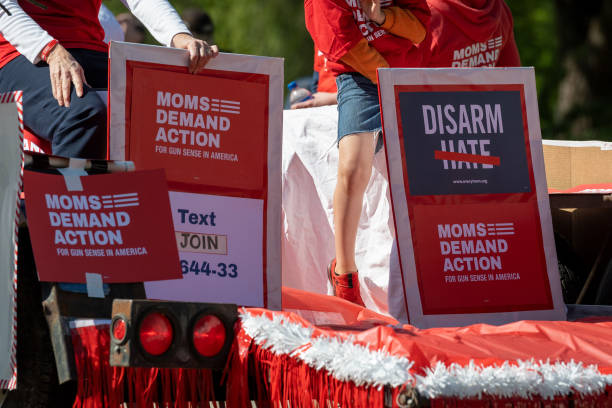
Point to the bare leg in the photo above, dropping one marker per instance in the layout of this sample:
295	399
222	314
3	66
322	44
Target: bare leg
356	153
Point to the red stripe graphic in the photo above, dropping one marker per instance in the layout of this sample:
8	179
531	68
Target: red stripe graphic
465	157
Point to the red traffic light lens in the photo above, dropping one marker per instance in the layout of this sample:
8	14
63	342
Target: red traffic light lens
208	335
119	329
156	333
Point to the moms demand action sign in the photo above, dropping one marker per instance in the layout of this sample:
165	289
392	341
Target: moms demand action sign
114	225
217	134
469	196
180	121
211	129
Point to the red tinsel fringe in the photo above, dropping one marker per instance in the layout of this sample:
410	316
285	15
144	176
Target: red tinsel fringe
283	381
276	381
101	386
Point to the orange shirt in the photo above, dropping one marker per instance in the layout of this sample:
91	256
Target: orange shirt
399	22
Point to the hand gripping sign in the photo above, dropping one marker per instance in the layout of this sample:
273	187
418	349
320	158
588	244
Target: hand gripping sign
469	195
218	136
11	163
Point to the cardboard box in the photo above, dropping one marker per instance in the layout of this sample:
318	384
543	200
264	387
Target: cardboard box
572	163
585	229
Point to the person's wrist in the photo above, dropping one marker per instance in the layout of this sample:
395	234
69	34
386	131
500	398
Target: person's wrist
178	38
48	49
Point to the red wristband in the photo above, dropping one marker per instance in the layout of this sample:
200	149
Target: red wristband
45	52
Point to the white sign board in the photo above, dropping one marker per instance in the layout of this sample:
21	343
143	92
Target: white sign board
220	250
11	162
470	201
218	135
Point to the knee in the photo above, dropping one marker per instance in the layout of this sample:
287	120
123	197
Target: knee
354	175
81	131
89	111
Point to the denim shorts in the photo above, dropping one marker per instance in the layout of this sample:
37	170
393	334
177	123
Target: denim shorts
358	108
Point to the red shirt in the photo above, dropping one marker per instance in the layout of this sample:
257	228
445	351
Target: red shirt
74	23
336	26
469	33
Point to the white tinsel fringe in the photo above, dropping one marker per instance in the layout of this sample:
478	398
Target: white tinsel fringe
343	359
347	361
525	379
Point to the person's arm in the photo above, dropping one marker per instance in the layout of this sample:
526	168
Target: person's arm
166	26
22	32
365	60
399	21
35	44
159	17
112	28
318	99
332	27
402	23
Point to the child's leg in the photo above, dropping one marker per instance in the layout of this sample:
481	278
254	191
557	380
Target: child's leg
356	153
358	120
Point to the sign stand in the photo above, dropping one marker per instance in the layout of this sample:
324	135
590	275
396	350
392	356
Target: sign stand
468	187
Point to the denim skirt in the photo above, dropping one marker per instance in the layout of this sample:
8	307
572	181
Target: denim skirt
358	107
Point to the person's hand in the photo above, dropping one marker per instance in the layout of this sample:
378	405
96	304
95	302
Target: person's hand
199	51
64	71
373	11
318	99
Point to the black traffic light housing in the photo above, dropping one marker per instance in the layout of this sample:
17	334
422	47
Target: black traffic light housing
128	351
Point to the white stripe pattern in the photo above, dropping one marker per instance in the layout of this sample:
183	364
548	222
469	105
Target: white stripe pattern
525	379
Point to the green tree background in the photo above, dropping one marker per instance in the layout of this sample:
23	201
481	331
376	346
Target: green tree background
551	34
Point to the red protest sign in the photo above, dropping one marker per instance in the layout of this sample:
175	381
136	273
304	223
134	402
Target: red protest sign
480	258
115	225
215	122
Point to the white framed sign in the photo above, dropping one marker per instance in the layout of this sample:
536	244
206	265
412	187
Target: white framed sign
468	187
220	250
11	167
218	135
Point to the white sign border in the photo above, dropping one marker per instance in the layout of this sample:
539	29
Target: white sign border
121	52
11	167
388	78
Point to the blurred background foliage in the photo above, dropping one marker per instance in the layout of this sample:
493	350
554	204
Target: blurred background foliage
567	41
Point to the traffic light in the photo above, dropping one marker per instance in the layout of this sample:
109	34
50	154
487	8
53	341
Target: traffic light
147	333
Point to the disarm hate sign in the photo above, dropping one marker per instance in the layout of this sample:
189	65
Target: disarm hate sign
114	225
469	195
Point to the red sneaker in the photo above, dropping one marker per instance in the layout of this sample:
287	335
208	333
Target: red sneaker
346	286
